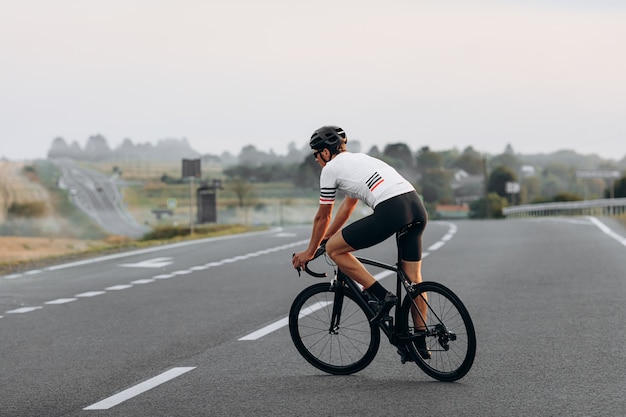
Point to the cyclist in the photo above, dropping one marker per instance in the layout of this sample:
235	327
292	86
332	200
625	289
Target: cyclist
395	204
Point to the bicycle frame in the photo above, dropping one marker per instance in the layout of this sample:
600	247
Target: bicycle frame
341	279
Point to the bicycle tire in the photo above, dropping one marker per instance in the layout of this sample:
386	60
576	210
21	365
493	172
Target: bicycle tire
348	348
451	338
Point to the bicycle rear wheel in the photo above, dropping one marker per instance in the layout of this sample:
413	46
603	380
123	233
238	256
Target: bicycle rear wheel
342	344
449	337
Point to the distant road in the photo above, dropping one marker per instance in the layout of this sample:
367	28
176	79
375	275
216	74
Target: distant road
198	329
97	195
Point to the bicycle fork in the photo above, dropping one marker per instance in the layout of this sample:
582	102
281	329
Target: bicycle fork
335	319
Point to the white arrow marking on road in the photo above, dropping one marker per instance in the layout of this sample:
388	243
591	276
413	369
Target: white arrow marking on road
150	263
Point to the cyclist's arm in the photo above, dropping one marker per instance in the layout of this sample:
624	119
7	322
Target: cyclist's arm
320	225
343	214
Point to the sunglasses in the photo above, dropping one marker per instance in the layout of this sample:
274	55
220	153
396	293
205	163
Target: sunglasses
316	153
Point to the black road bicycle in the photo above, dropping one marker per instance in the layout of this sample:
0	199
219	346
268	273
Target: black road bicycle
331	324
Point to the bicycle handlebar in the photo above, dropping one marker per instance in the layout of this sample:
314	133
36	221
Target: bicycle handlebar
319	252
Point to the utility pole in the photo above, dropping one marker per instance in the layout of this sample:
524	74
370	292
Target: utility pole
486	176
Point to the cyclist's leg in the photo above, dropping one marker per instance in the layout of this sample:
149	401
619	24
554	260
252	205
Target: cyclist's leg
411	246
341	252
413	269
366	232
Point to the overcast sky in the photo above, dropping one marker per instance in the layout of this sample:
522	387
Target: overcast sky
540	75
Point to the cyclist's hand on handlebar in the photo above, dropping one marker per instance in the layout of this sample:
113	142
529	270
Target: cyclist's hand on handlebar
300	259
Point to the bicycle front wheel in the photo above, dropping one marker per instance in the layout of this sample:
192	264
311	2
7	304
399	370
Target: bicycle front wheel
438	331
340	343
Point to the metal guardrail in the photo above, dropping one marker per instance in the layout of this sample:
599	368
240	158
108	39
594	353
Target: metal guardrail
604	207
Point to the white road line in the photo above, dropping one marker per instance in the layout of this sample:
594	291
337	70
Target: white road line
61	301
139	389
266	330
283	322
199	268
605	229
118	287
90	294
142	281
436	246
159	248
23	310
163	276
14	276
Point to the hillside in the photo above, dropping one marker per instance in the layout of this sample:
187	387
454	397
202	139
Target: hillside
16	187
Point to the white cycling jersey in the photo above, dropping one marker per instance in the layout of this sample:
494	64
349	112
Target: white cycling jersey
361	176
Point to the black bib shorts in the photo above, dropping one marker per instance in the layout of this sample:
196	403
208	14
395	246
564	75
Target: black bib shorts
389	217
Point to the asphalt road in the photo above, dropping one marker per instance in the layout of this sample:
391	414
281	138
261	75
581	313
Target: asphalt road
98	196
182	330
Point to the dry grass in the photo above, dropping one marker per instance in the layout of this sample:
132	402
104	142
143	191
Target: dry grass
17	187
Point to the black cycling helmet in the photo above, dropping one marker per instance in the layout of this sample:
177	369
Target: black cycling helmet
330	137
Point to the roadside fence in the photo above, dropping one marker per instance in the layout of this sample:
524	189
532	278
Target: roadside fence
603	207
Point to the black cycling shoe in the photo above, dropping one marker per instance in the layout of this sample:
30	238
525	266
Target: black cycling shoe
405	356
420	345
384	306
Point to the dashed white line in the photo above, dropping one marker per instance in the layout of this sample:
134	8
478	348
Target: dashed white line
13	276
163	276
61	301
90	294
199	268
139	388
142	281
23	310
118	287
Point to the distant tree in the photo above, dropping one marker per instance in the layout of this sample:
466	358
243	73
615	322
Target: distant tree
508	160
97	149
531	189
294	155
375	152
428	160
307	175
435	186
619	188
59	149
243	190
490	207
401	153
567	197
470	161
250	155
498	179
